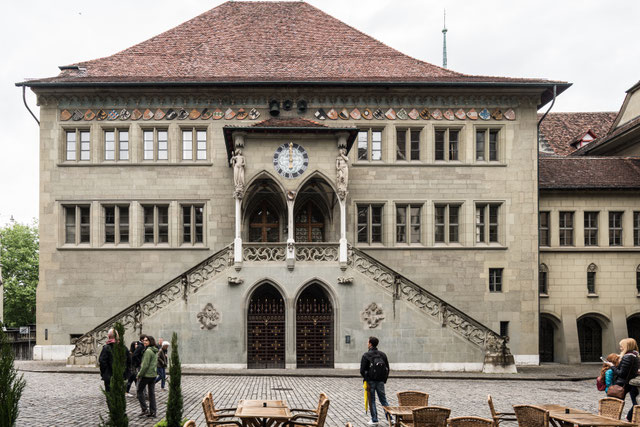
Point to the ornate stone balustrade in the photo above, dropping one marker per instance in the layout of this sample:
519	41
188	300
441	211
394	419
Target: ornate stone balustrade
316	252
133	316
404	289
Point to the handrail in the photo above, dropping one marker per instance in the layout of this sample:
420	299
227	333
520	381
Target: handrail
131	317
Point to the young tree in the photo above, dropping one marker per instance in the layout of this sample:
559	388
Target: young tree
174	404
11	386
19	258
115	396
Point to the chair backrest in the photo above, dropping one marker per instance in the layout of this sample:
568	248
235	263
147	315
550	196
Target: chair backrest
208	408
494	414
470	422
413	398
531	416
430	416
321	399
190	423
322	413
610	407
635	418
347	425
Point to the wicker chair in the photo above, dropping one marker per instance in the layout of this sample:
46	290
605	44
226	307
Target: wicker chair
531	416
314	420
498	417
635	418
470	422
428	416
610	407
412	398
217	417
190	423
313	413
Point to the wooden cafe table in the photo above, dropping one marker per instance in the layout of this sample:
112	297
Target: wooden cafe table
398	412
562	416
263	413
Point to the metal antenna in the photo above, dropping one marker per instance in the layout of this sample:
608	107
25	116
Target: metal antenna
444	41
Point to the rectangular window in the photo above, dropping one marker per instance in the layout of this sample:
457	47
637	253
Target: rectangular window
155	144
369	223
401	144
591	282
414	143
192	224
77	224
495	280
615	228
487	218
77	141
194	141
504	328
447	223
591	228
116	144
408	144
369	144
566	228
447	143
542	283
544	228
408	224
636	228
638	282
116	224
156	224
487	144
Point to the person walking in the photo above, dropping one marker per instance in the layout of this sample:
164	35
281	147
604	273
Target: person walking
163	361
374	369
606	373
147	376
137	349
626	370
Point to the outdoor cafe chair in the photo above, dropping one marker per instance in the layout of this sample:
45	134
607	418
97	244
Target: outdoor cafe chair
412	398
313	412
531	416
190	423
498	417
610	407
470	422
216	417
635	418
428	416
313	420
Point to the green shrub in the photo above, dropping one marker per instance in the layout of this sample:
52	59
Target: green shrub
174	404
11	386
115	397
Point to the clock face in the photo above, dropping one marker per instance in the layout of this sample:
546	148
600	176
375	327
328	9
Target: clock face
290	160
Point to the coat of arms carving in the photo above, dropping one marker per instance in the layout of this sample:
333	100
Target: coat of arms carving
208	317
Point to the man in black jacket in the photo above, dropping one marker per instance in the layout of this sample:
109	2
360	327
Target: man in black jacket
106	360
374	368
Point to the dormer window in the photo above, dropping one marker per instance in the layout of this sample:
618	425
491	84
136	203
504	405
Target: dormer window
588	137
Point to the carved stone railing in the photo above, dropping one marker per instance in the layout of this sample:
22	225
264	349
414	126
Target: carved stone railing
132	317
264	251
404	289
316	252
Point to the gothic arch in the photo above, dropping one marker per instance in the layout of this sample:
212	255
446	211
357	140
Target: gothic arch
315	326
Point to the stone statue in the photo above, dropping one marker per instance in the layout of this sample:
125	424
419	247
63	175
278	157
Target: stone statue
237	161
342	173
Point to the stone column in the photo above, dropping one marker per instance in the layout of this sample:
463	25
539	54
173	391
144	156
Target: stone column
342	183
343	235
237	242
291	243
238	164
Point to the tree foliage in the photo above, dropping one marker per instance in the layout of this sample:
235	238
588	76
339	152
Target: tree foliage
19	256
11	385
174	404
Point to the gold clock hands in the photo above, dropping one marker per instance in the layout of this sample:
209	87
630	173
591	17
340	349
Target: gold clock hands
291	155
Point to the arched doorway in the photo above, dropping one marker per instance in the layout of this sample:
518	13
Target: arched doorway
546	332
633	327
314	329
590	339
309	223
266	329
264	224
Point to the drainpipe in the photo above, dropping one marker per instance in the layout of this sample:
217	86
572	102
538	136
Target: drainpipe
553	101
24	99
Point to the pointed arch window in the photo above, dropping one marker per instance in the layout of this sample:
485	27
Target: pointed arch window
543	277
591	279
638	279
309	224
264	225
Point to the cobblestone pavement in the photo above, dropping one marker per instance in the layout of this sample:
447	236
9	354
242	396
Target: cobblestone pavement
60	399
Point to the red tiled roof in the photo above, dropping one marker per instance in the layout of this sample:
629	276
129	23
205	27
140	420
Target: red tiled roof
293	122
265	42
628	126
560	130
589	173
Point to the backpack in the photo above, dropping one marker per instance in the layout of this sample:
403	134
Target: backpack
377	368
600	384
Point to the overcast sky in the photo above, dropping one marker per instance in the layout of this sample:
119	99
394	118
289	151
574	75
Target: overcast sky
590	43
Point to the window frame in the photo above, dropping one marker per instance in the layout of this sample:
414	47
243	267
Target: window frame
496	280
616	231
156	224
369	225
447	224
78	150
155	149
591	230
592	269
487	151
410	145
543	280
193	224
370	143
489	228
195	147
409	224
446	143
636	228
542	230
78	226
564	230
118	225
117	144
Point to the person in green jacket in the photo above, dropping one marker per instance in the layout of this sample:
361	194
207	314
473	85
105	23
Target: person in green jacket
147	376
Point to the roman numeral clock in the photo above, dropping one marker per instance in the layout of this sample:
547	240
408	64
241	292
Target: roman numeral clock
290	160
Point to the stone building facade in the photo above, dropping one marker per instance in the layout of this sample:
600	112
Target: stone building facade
277	204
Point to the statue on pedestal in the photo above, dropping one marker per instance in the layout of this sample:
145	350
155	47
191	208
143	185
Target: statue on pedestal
238	163
342	173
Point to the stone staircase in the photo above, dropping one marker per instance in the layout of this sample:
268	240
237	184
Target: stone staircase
497	355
